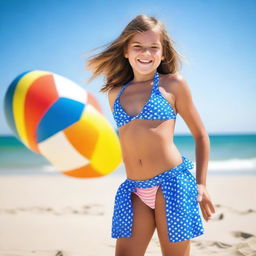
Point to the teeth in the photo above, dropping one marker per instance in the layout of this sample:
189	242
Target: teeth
144	61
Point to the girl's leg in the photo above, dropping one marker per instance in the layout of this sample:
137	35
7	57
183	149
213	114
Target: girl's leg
168	249
142	230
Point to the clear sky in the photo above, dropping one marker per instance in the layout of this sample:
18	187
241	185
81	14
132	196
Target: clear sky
217	37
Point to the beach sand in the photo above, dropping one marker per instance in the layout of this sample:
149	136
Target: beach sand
63	216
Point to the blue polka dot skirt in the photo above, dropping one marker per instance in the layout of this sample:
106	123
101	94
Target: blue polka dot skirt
179	188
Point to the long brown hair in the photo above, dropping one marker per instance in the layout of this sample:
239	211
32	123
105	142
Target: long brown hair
117	69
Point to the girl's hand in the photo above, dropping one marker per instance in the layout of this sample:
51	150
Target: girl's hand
205	202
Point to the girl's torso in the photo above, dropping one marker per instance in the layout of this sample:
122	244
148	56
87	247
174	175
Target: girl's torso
146	122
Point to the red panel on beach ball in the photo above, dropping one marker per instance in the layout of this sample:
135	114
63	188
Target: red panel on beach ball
40	96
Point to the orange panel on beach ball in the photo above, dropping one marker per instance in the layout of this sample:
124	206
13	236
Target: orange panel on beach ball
86	130
86	171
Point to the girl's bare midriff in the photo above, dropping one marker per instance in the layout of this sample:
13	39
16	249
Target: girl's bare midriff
148	148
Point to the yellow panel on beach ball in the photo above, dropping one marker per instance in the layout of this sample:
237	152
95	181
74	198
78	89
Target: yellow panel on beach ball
107	153
96	140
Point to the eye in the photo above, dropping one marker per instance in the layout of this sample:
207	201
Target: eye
137	45
155	47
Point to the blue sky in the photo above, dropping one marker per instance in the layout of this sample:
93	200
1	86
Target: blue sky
217	38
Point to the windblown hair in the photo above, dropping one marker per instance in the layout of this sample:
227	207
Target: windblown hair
117	69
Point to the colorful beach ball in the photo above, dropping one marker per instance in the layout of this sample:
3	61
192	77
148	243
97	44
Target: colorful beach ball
58	119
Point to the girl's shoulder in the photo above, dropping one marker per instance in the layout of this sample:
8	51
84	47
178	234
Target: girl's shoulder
112	95
175	83
172	78
171	82
113	92
177	88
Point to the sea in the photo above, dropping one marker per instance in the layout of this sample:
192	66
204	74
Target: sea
230	154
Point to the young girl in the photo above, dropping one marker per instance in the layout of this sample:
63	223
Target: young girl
145	94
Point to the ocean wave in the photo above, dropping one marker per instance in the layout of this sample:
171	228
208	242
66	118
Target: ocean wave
226	166
234	164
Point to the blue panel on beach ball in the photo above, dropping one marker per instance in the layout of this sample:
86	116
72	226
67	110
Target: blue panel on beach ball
63	113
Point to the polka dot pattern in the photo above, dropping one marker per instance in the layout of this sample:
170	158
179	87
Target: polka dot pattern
156	108
182	209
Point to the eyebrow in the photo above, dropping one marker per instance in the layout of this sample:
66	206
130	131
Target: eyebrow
140	43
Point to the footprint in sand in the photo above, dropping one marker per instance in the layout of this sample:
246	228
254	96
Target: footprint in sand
247	247
241	234
92	209
248	211
207	244
59	253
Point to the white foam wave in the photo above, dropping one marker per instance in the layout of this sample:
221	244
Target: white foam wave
232	165
48	168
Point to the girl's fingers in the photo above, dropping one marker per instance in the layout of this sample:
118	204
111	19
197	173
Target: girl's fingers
211	206
205	203
203	212
206	207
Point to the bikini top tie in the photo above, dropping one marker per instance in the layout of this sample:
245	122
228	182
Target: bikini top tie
156	108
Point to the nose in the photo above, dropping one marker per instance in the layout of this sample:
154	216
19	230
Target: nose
145	50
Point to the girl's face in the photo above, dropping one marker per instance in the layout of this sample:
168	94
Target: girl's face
145	52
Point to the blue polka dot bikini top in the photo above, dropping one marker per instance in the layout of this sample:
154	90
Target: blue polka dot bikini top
156	108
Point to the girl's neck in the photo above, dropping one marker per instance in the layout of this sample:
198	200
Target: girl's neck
143	78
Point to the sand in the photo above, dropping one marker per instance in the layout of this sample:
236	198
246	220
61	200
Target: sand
63	216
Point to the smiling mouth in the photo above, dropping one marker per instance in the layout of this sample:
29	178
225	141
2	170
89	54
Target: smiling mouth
144	61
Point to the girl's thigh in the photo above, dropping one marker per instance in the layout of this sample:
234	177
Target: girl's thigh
179	248
142	230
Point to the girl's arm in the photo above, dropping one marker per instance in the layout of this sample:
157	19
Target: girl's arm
185	107
187	110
